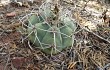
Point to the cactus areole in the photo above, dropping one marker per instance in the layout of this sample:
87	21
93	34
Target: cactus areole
50	32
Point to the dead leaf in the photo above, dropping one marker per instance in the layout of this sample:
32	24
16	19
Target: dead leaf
1	67
12	14
18	61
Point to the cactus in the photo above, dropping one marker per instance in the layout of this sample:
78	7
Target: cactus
51	38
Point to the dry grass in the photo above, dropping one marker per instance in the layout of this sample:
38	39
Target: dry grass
89	52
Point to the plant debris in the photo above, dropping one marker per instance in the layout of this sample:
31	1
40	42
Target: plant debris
91	48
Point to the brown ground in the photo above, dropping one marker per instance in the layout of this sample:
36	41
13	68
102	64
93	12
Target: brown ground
91	51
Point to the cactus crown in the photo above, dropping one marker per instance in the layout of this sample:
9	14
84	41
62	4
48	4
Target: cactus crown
51	30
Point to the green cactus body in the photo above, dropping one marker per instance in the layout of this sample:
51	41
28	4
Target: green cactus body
68	28
39	32
50	38
53	39
66	36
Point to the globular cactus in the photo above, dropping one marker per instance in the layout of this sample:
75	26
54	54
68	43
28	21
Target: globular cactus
52	37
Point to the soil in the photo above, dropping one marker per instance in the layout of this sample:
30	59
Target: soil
91	50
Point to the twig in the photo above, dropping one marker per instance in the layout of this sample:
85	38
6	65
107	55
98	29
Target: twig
30	46
10	26
69	2
5	68
98	36
95	62
82	27
107	65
